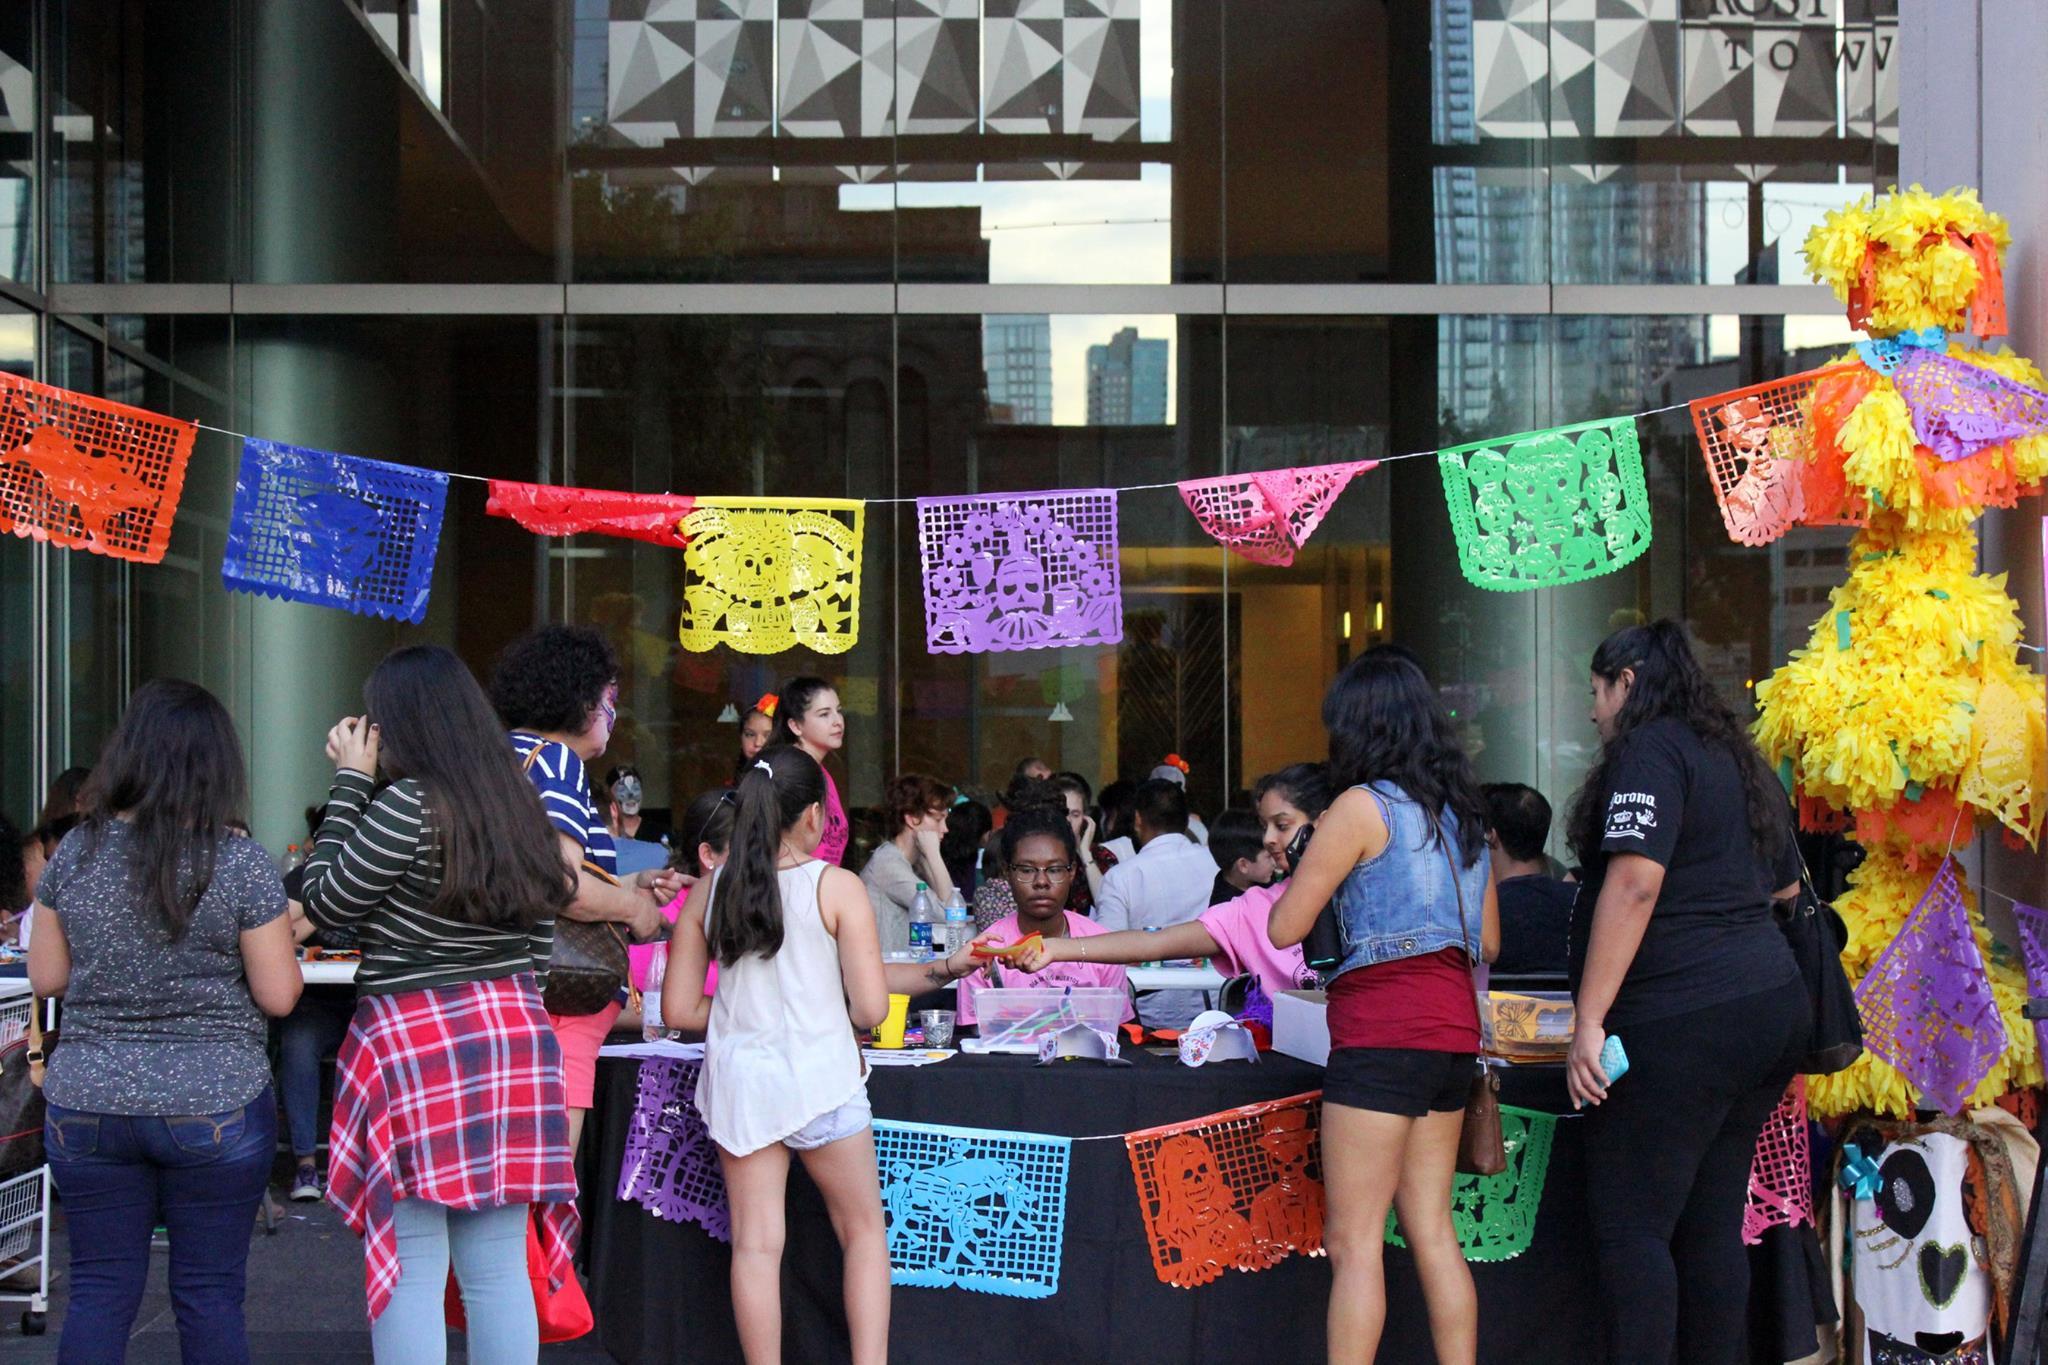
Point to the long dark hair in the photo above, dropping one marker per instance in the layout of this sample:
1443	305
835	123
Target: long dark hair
501	864
790	704
1670	682
1386	725
707	820
774	792
173	767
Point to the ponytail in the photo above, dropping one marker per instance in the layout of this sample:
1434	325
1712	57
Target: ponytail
774	792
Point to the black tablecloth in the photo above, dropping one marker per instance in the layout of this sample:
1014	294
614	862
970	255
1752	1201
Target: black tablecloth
660	1289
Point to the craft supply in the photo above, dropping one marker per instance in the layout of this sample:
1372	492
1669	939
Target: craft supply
1008	952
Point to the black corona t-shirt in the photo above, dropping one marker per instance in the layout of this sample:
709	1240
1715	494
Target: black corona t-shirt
1711	938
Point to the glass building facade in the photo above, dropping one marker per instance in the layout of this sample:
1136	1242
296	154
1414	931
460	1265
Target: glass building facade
858	249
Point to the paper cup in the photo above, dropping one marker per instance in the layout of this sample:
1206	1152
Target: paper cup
890	1034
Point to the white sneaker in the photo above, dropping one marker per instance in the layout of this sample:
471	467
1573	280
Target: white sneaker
306	1184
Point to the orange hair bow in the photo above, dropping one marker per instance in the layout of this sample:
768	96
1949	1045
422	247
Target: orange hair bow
1176	761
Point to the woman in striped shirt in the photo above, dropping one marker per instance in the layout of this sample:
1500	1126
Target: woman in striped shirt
448	1117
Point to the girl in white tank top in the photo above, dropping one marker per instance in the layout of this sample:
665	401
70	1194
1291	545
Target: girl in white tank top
800	968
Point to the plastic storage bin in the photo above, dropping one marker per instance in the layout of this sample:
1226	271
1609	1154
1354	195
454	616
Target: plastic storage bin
1019	1017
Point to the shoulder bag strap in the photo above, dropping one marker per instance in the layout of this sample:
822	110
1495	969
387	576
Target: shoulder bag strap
36	1054
532	756
1464	931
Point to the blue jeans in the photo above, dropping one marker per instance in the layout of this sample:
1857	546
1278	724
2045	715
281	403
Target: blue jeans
202	1176
314	1028
488	1249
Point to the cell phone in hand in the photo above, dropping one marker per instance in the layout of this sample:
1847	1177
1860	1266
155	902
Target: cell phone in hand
1298	845
1613	1059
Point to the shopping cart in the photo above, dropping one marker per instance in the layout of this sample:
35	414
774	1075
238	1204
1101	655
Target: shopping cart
24	1204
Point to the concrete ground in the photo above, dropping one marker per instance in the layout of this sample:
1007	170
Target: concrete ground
305	1302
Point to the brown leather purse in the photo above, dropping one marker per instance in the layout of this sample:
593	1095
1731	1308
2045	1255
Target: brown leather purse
1481	1148
588	963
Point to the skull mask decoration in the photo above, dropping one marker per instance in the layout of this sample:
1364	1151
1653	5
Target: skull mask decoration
1919	1264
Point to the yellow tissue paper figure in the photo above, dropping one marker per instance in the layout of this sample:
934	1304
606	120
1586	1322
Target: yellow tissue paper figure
1907	719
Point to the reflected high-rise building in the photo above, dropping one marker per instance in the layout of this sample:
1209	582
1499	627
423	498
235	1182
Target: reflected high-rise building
1127	381
1016	357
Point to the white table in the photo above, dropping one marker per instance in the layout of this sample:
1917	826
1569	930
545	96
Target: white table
11	986
1203	978
329	973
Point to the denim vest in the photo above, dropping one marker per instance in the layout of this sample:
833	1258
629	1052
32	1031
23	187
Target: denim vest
1401	903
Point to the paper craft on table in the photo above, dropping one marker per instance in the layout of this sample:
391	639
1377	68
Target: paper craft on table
665	1047
879	1056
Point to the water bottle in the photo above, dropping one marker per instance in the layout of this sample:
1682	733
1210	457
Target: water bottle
294	856
959	926
924	916
651	1029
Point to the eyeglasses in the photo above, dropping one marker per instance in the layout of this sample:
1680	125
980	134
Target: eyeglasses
1051	872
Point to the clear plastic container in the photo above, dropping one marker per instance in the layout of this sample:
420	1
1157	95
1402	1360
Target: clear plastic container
1020	1016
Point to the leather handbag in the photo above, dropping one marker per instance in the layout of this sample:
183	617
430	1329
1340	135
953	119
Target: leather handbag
21	1094
1481	1148
1816	935
1323	949
588	963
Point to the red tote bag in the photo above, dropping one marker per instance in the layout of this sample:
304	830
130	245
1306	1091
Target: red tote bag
564	1313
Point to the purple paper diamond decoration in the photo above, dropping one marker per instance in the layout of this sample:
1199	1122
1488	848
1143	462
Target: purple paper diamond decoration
670	1165
1926	1003
1959	408
2033	925
1009	571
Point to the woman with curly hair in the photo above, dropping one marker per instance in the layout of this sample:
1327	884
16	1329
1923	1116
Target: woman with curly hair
1682	829
557	690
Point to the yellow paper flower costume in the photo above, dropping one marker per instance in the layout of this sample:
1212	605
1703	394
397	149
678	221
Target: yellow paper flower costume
1907	717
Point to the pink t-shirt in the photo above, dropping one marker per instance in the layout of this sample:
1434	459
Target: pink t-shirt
838	833
638	955
1109	974
1239	928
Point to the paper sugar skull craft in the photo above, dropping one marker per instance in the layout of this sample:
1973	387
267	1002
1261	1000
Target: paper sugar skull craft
1197	1211
1020	571
1897	719
1919	1259
763	575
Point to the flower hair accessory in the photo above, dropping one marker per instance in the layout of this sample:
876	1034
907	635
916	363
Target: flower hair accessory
1175	761
766	706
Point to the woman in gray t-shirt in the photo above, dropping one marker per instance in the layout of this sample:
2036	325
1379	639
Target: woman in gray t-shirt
166	937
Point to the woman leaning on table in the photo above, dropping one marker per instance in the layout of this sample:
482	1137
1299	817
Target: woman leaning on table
1400	857
1683	833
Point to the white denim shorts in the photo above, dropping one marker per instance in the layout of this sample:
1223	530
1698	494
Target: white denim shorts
848	1119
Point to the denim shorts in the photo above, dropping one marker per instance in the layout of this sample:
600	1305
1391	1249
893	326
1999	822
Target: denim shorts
843	1122
1407	1081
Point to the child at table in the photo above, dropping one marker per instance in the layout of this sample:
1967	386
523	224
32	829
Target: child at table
1041	858
1233	932
800	968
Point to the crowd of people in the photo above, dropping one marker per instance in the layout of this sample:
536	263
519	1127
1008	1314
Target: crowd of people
466	853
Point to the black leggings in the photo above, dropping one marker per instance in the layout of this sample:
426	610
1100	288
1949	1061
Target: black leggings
1667	1173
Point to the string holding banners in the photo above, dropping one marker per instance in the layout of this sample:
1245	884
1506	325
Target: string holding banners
1238	1190
1269	515
1926	1002
669	1165
555	510
763	575
1010	571
1547	508
89	474
334	530
1495	1215
973	1208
